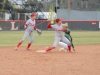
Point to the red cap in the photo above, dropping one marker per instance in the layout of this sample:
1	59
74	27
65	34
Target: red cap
33	14
58	20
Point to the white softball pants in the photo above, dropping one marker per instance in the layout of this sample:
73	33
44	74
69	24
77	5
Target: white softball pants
58	39
63	45
30	34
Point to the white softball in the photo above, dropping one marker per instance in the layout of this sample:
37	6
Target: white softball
63	50
52	22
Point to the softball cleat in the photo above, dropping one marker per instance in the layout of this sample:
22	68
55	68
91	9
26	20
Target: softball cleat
16	48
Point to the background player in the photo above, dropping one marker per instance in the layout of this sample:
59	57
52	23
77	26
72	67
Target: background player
58	35
68	36
30	27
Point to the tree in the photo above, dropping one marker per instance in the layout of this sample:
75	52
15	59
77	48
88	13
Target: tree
32	1
1	4
5	4
32	6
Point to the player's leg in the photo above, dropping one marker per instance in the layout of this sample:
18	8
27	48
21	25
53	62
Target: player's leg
63	45
72	45
31	40
68	37
56	42
65	40
23	39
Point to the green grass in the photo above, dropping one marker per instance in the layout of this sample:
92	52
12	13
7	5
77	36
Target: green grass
11	38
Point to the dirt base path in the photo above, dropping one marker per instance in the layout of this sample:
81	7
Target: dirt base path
85	61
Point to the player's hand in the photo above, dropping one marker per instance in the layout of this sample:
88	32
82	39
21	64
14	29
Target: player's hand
25	25
36	29
71	39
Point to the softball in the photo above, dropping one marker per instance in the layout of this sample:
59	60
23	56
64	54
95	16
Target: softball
52	22
62	50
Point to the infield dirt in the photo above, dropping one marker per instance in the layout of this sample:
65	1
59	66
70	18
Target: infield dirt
84	61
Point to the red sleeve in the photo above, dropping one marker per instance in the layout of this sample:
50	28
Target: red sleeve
49	26
35	27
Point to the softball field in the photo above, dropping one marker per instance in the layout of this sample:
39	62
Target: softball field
84	61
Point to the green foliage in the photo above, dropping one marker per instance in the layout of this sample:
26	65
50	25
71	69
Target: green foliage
83	5
1	1
1	10
7	5
32	1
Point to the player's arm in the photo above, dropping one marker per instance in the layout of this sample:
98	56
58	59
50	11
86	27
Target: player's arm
26	24
71	41
35	28
53	26
70	37
50	24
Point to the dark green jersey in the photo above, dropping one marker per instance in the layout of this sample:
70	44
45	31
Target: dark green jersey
68	32
67	35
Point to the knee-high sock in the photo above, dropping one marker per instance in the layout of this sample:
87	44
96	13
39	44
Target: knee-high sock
63	45
69	48
28	46
19	43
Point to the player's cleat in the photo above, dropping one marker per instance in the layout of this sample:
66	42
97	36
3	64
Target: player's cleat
16	48
47	50
73	49
28	46
19	43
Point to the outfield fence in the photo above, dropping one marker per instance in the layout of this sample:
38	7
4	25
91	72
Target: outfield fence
6	25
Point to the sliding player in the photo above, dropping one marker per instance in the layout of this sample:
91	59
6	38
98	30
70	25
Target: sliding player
68	36
58	35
